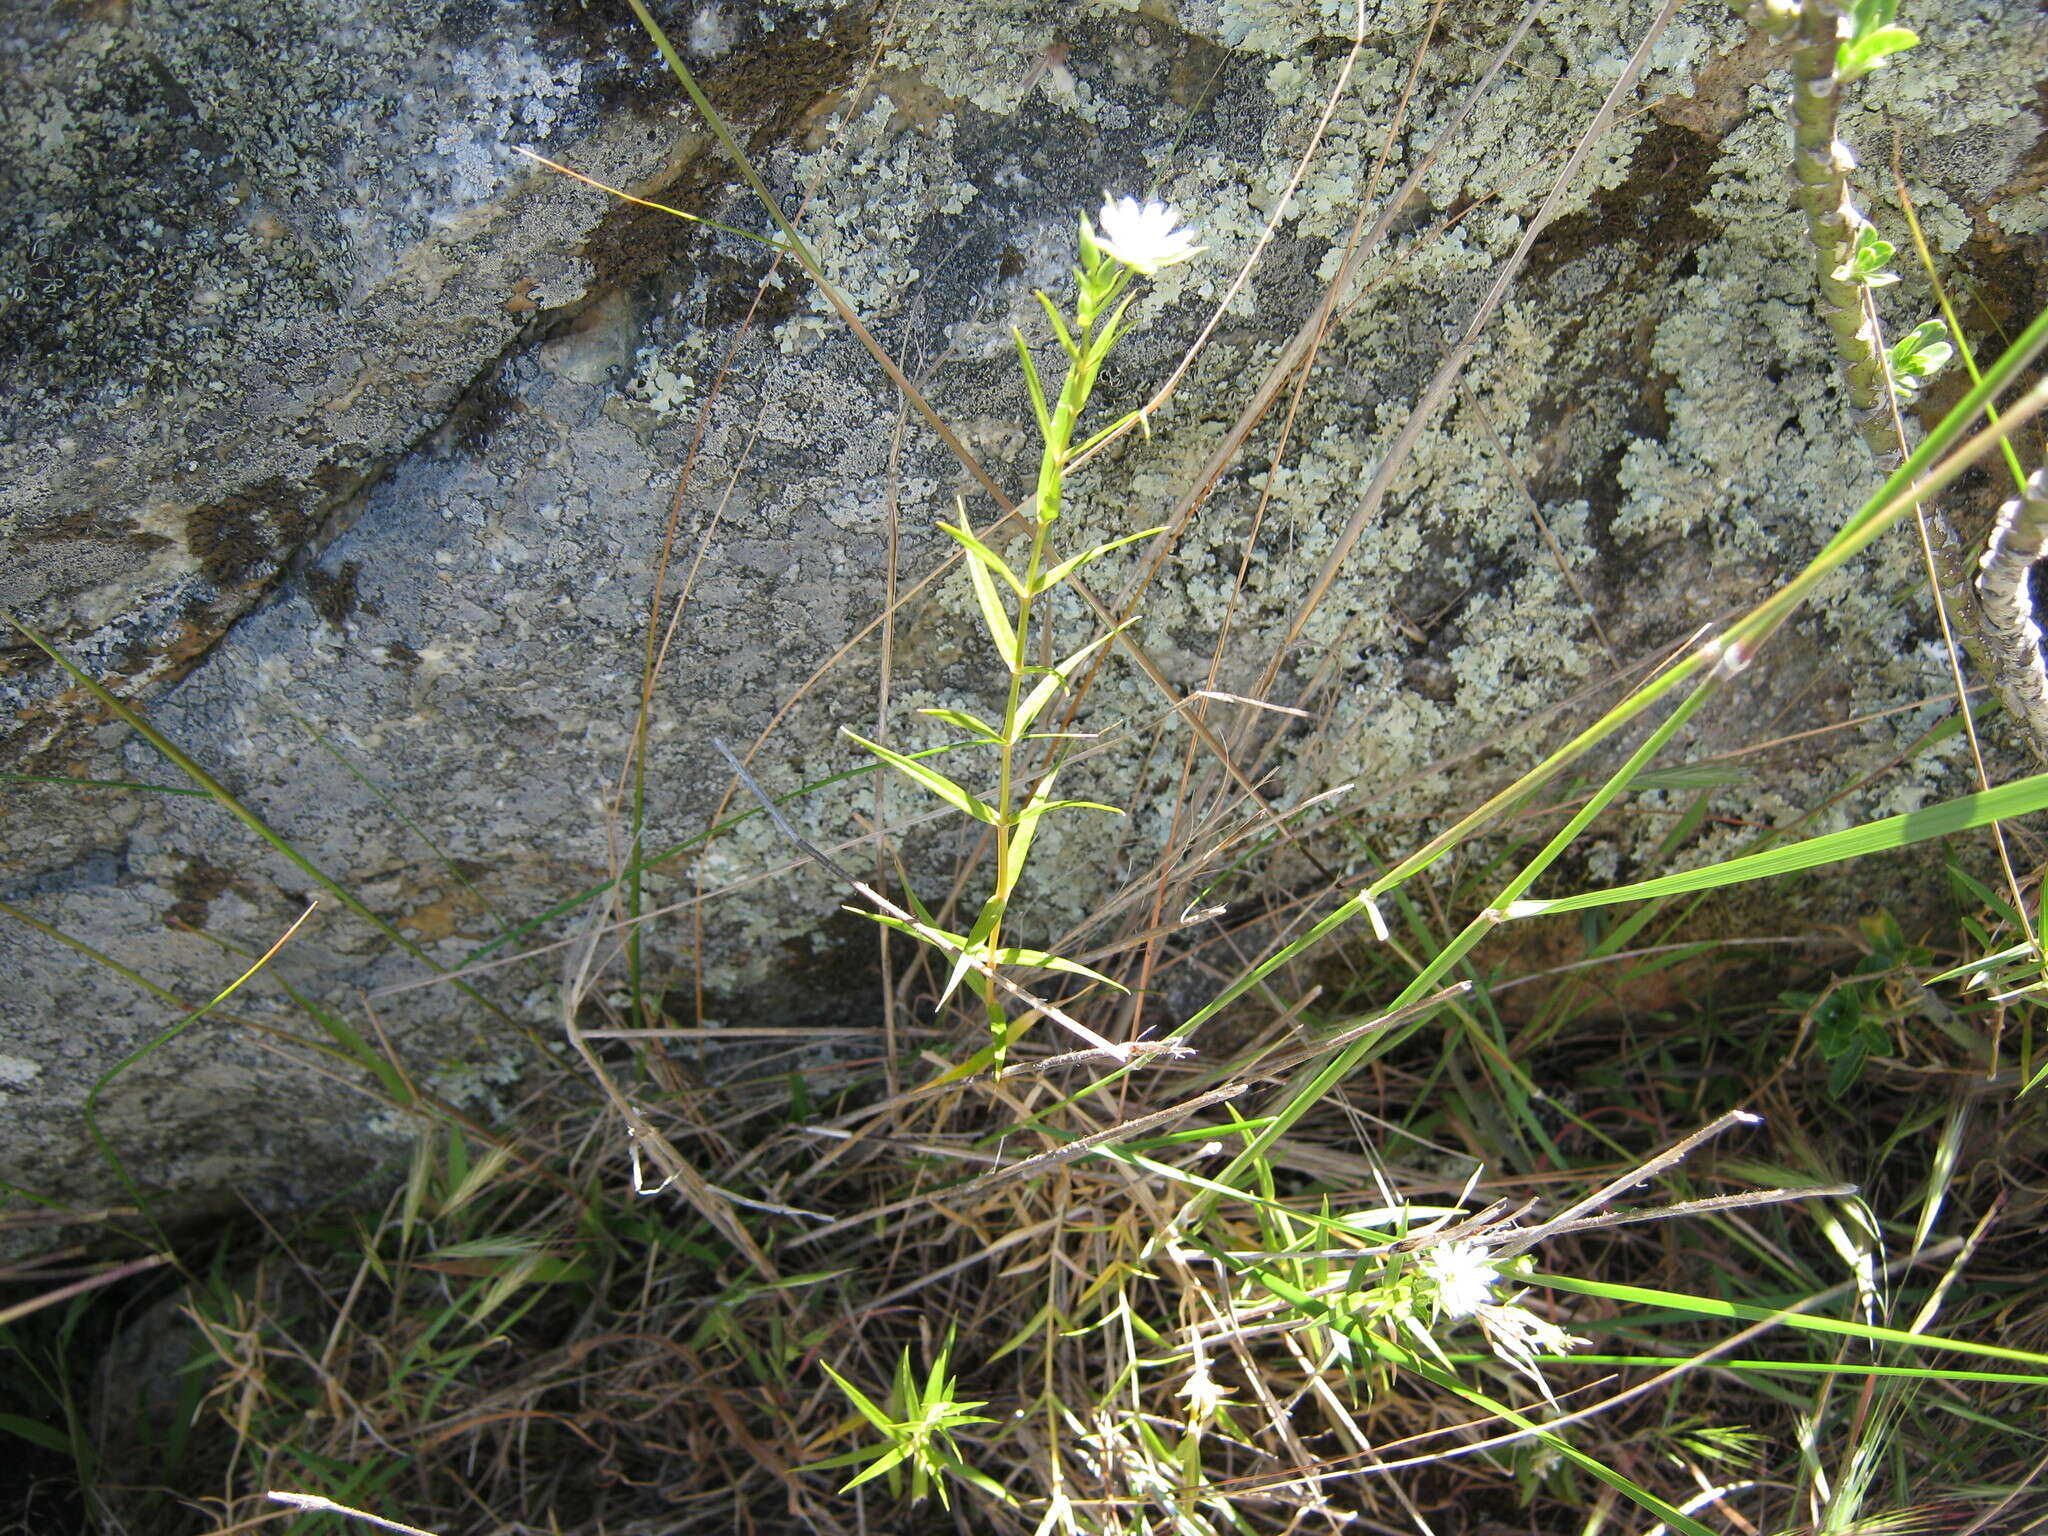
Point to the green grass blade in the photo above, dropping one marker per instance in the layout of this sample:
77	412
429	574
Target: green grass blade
1806	1322
58	778
1961	814
149	1048
234	807
1779	1367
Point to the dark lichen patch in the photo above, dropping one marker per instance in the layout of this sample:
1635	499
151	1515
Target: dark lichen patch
1668	175
764	88
830	976
1997	288
733	291
477	416
237	537
1195	77
621	68
95	521
631	245
769	87
620	65
1640	238
1720	97
196	885
333	593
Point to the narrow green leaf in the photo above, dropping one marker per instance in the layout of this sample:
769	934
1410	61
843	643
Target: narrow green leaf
971	724
1854	60
981	552
850	1458
932	780
861	1402
1026	830
70	782
1032	812
1684	776
974	947
1038	959
888	1460
1041	695
36	1433
1059	573
995	616
953	941
1690	820
1989	962
1805	1322
1031	383
1106	338
1962	814
924	913
1781	1367
1059	324
982	1481
1122	422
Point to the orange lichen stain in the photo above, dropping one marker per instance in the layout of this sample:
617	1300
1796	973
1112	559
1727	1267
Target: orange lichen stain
918	105
520	303
458	916
191	643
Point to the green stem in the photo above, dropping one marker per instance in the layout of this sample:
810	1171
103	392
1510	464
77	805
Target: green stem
1052	466
1821	164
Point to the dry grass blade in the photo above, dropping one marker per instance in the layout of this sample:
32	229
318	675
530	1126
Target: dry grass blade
316	1503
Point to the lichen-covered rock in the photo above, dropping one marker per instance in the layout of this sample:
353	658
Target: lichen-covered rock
251	258
378	438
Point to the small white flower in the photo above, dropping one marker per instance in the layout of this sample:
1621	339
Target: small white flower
1205	1394
1518	1336
1464	1279
1516	1326
1143	236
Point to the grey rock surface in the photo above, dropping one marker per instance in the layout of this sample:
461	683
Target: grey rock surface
347	441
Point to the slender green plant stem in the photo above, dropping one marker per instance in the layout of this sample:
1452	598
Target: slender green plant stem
1052	468
2005	643
1821	164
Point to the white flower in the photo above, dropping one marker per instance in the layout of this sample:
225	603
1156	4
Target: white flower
1464	1279
1205	1394
1518	1336
1143	235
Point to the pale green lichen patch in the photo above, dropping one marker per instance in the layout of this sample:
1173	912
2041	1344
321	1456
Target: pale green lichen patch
871	256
